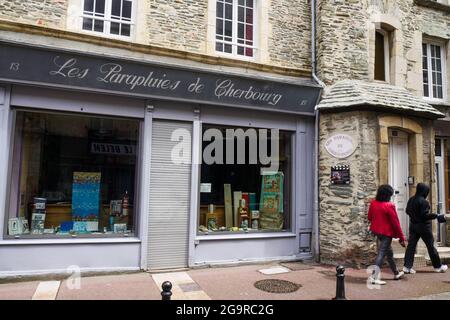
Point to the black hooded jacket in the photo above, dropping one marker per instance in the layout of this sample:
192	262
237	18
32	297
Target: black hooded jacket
418	208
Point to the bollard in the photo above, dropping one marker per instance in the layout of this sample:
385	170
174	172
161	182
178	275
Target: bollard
340	285
166	293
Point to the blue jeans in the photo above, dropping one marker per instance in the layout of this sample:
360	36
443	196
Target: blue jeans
385	249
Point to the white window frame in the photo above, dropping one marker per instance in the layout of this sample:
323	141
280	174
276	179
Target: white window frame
387	56
430	75
234	44
107	21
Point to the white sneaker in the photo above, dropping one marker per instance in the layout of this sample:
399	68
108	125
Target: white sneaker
441	269
399	275
377	281
409	270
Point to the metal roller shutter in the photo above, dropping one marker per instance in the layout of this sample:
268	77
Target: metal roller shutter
168	223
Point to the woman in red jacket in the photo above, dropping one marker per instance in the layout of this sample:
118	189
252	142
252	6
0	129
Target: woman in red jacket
385	225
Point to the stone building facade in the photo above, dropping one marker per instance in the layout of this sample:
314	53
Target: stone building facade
371	111
283	31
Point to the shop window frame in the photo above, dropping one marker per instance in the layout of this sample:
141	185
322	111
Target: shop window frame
56	238
293	206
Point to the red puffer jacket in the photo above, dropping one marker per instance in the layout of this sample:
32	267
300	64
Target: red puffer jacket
384	220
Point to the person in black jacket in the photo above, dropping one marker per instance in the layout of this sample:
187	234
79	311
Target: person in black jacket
418	210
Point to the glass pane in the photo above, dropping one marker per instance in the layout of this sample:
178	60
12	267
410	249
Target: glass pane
228	12
240	50
89	5
100	6
219	10
228	48
219	46
437	147
425	91
379	57
98	25
239	198
126	10
115	28
115	7
219	26
228	28
87	24
250	3
249	52
125	31
249	32
240	33
438	51
241	2
439	93
249	16
74	175
241	14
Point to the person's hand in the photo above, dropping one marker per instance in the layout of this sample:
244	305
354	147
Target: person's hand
403	243
441	218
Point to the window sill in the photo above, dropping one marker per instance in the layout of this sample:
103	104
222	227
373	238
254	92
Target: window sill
245	236
68	241
433	5
436	102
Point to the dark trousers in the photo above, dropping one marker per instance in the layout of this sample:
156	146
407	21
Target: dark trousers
421	231
385	250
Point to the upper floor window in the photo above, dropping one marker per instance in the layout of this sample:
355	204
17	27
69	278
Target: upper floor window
433	67
111	17
382	56
235	27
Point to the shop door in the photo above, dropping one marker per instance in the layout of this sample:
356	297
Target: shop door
398	174
440	184
168	223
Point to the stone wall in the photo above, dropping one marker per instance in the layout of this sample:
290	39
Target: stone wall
51	13
345	45
290	33
178	24
343	208
344	236
342	40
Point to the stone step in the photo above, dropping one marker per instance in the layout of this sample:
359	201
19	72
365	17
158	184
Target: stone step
419	260
445	258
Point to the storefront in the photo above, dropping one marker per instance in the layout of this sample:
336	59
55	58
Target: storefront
111	164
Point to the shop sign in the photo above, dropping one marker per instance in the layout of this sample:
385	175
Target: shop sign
66	69
112	148
340	175
340	146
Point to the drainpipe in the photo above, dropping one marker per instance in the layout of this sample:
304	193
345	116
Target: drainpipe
316	136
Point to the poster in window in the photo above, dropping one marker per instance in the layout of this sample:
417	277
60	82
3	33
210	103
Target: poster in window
271	202
86	196
272	193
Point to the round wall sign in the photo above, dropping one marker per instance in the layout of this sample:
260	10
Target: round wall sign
340	146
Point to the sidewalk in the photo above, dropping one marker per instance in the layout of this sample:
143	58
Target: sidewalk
236	283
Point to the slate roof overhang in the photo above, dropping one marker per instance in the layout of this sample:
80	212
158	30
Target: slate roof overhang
361	95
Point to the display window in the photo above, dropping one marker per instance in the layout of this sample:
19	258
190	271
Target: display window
72	175
245	182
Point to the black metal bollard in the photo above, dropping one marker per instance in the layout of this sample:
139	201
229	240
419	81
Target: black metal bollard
166	293
340	284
